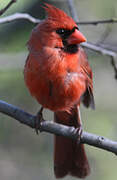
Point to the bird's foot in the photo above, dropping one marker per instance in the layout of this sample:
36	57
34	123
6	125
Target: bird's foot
78	132
38	120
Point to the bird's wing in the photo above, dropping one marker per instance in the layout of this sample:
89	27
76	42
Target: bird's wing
87	98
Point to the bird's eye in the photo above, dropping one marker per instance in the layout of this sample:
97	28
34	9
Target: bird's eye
60	31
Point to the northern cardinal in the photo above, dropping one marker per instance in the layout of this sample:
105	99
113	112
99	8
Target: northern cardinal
58	75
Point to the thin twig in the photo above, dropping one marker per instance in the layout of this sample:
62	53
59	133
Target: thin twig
16	16
114	66
58	129
106	21
30	18
99	49
71	7
2	11
72	10
104	35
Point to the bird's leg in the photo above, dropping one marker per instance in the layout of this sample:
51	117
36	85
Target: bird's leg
79	131
38	120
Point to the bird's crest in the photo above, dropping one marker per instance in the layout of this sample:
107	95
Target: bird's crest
57	15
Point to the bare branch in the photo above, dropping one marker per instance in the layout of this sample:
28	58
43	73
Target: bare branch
114	66
99	49
16	16
58	129
72	10
30	18
7	7
104	35
34	20
106	21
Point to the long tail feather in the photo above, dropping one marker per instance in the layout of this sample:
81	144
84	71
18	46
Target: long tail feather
69	157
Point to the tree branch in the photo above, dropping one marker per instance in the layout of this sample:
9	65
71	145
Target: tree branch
16	16
58	129
99	49
114	66
105	21
30	18
72	10
7	7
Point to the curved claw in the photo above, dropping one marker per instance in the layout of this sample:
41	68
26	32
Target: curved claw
79	131
38	120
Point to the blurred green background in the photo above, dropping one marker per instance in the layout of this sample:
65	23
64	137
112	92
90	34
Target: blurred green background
23	154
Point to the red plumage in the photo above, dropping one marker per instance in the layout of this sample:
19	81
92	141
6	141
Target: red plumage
58	75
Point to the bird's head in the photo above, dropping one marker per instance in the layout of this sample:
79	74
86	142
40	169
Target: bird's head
58	30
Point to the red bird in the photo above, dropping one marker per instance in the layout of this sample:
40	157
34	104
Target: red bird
58	75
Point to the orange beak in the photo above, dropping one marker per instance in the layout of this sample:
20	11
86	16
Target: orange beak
76	37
